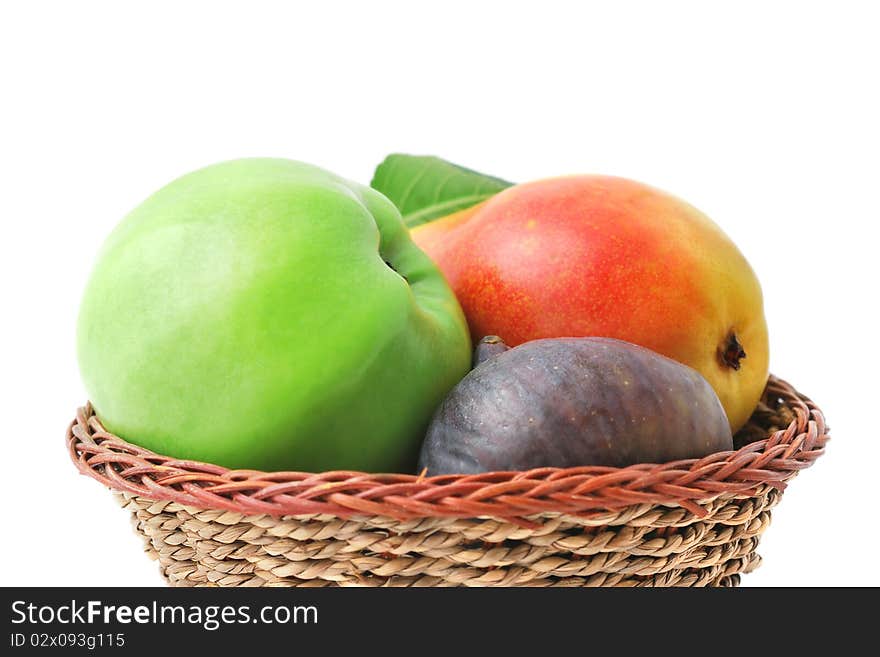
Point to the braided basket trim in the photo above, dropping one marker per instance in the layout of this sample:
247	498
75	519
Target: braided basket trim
513	496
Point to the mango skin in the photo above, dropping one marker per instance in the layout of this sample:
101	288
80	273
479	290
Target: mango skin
244	315
569	402
592	255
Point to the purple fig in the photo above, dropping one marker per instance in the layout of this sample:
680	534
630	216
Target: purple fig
567	402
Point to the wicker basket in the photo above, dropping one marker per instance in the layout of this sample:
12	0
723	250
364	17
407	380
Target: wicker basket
685	523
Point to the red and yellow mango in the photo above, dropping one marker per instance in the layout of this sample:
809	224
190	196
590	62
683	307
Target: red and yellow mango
604	256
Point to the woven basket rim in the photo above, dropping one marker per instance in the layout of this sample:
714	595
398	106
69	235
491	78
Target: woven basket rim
511	496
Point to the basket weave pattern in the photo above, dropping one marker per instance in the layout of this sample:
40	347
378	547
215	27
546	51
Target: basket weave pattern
685	523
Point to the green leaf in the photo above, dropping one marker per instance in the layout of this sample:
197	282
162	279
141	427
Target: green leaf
424	187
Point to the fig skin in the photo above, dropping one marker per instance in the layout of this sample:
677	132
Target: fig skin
566	402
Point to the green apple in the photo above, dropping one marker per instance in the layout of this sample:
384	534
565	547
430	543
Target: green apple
265	313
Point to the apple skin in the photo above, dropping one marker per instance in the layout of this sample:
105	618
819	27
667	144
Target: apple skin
244	315
603	256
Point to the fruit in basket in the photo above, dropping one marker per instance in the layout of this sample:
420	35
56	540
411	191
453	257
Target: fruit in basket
566	402
265	313
596	255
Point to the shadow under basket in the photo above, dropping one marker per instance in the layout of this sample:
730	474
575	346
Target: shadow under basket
685	523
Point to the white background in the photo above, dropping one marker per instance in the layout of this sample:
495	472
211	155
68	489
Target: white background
764	115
